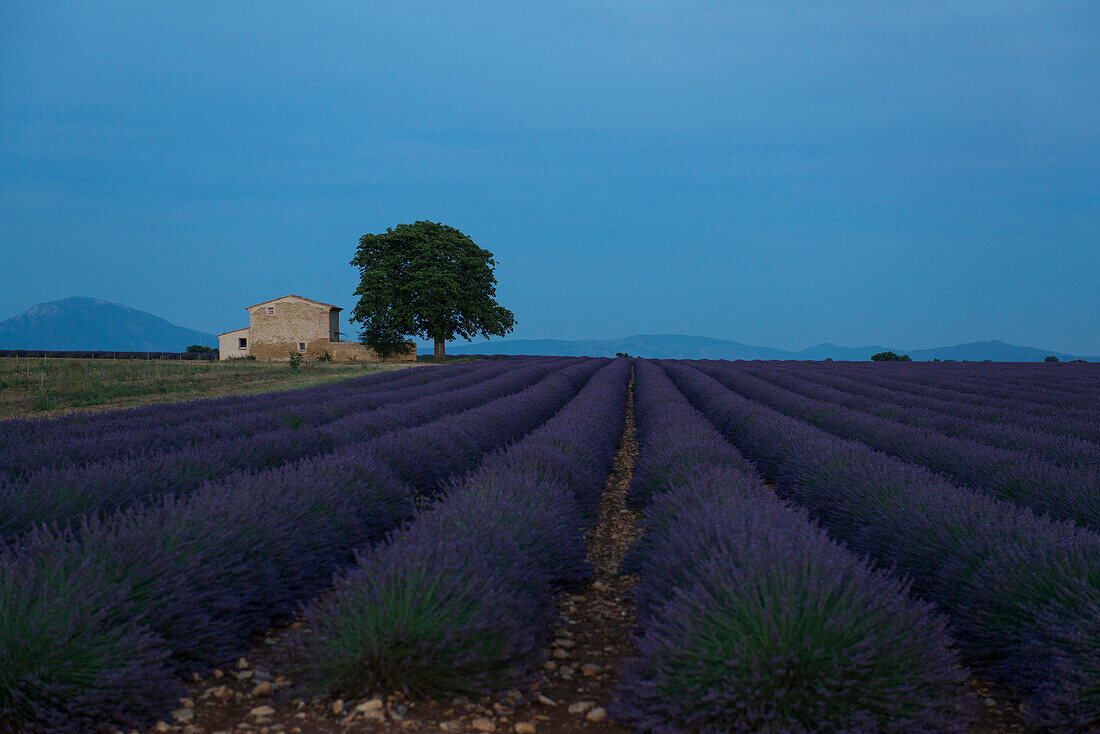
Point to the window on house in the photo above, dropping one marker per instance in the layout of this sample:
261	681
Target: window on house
270	310
242	343
336	336
301	346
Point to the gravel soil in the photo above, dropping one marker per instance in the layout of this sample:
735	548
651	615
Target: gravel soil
997	711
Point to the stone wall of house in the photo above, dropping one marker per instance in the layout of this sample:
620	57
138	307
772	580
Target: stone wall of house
356	352
275	336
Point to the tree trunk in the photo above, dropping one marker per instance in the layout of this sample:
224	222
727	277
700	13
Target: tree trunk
440	349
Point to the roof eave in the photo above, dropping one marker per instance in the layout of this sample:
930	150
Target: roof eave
329	306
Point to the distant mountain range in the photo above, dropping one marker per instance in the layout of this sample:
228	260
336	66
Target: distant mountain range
678	346
92	324
88	324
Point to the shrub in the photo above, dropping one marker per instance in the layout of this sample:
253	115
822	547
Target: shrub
750	618
1009	473
176	587
194	577
766	624
1022	591
461	600
438	609
66	649
57	494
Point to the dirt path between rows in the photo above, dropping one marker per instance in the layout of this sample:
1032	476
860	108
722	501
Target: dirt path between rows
593	627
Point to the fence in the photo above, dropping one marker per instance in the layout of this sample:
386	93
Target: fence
40	353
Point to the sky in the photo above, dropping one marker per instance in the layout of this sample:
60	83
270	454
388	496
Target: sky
913	174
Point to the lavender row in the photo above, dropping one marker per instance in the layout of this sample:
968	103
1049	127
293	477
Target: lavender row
1074	424
461	600
59	495
1022	591
994	411
1065	493
1069	390
296	409
750	618
209	413
459	443
98	622
946	418
89	425
1059	386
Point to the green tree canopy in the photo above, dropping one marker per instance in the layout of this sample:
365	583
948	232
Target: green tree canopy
890	357
429	280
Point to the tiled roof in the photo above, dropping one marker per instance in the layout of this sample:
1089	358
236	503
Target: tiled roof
300	298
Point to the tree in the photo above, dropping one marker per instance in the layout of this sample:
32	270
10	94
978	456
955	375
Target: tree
200	349
429	280
1050	358
890	357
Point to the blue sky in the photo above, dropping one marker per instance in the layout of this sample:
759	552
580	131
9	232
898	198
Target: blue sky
912	174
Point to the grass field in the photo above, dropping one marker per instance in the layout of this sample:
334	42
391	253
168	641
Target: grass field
34	387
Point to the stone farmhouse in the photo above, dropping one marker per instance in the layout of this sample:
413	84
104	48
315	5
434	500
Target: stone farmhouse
289	324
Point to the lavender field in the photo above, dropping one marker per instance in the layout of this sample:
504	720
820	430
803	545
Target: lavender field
543	544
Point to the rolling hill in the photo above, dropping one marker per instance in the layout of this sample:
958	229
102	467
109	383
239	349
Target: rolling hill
679	346
91	324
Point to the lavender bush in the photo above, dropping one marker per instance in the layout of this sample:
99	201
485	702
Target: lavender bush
1063	492
196	577
58	495
942	393
1036	400
182	584
751	619
79	430
942	416
71	441
460	600
438	608
1022	591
